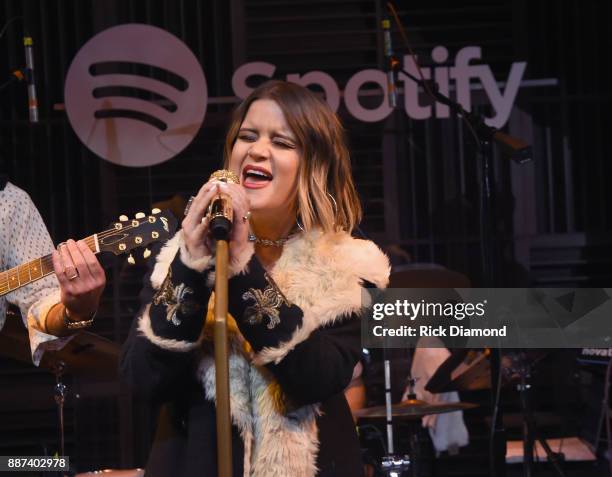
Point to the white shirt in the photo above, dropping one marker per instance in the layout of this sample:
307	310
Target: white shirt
24	237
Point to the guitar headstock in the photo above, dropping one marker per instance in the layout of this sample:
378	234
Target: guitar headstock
126	235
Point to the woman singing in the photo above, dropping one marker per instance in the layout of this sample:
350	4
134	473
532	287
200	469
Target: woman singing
296	276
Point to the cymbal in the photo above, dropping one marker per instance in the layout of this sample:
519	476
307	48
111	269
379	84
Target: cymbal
84	354
14	341
413	409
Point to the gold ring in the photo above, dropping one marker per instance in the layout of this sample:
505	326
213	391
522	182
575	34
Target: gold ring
246	217
76	275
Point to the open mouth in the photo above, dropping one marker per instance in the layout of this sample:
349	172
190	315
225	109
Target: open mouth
255	177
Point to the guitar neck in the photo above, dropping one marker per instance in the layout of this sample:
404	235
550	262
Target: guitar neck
26	273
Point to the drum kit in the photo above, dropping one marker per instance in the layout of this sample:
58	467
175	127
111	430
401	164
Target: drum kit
464	370
409	413
83	354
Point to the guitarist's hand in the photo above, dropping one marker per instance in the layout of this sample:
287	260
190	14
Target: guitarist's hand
81	279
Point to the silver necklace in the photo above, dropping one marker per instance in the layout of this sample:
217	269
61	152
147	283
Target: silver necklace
267	242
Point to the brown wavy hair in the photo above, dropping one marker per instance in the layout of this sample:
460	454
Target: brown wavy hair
325	165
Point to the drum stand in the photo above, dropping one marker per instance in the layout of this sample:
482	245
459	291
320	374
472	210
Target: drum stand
530	431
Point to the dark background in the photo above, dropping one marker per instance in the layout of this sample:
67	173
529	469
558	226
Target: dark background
418	180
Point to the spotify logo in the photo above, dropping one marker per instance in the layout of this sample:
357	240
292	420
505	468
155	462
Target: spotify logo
135	95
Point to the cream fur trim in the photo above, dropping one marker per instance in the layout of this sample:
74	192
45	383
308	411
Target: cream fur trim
166	256
164	259
175	244
197	264
285	445
275	445
323	274
144	326
240	406
239	263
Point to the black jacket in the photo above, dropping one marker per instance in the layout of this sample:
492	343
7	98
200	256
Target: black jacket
295	341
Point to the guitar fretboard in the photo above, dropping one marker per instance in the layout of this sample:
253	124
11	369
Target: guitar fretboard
29	272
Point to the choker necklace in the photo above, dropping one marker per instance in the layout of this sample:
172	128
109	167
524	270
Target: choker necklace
267	242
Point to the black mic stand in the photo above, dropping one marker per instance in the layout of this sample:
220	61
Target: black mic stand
392	464
530	431
520	152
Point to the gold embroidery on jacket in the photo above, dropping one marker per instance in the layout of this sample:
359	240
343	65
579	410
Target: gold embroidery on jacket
173	298
267	303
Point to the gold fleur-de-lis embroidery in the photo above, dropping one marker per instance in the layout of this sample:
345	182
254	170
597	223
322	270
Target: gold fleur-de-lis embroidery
173	297
267	303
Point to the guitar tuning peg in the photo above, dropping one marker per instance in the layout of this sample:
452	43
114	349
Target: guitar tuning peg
140	215
146	253
155	211
131	260
123	218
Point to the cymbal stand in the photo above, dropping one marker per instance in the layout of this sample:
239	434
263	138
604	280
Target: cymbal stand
392	465
530	431
60	397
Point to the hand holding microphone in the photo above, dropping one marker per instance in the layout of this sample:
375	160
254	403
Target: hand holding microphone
217	208
220	211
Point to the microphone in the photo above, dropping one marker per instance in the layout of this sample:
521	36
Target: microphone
29	77
220	211
391	61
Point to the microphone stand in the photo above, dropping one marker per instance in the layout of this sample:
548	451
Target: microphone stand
224	427
220	227
520	152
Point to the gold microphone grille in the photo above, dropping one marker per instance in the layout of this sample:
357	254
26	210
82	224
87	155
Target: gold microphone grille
225	176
